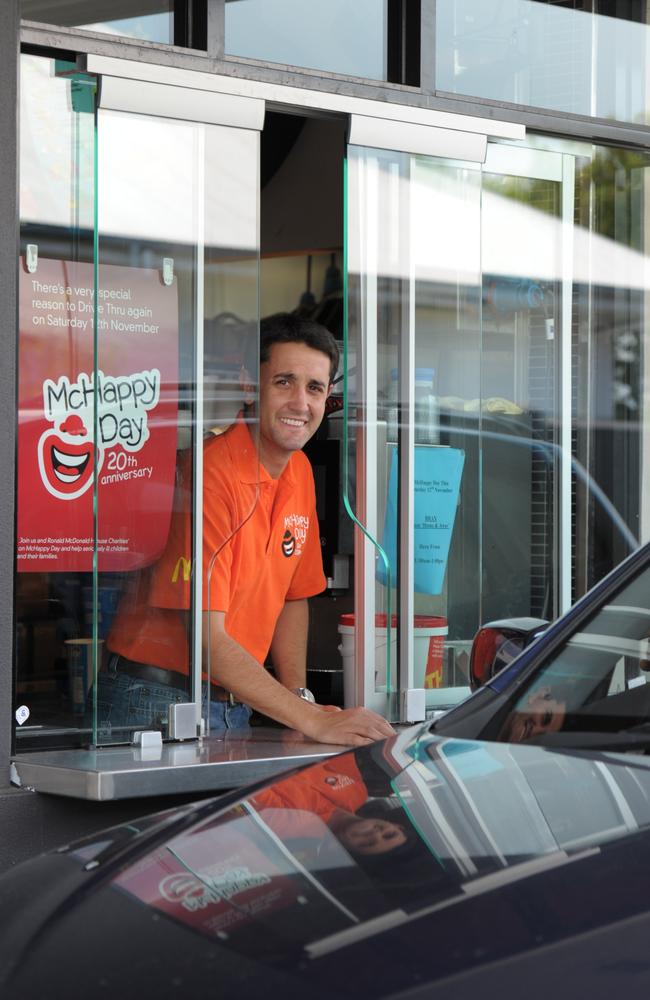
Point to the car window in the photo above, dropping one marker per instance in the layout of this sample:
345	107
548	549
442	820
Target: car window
598	681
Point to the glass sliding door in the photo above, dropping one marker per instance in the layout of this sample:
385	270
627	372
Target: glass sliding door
610	359
524	420
413	336
494	452
564	272
53	639
463	472
371	352
178	294
138	343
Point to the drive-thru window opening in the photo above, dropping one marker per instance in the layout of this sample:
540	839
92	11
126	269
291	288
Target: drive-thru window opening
524	371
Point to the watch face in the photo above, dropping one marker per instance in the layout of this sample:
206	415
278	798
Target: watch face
305	694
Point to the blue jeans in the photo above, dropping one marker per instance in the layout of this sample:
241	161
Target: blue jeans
224	716
125	702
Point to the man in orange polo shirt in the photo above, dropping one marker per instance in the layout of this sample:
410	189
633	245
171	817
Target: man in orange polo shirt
331	793
261	563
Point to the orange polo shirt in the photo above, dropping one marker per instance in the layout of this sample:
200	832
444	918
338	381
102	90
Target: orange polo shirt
321	789
261	547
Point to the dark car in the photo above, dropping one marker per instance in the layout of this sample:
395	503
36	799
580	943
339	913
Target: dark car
417	867
456	859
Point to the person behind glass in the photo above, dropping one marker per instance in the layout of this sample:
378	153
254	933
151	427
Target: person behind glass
261	563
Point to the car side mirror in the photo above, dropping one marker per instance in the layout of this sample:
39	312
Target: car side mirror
497	644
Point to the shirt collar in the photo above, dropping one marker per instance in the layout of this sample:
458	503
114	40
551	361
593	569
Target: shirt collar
245	457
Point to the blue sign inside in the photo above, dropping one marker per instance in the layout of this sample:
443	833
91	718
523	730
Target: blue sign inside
438	473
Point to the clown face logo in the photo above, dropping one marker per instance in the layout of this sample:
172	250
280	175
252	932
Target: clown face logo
288	544
295	534
66	459
339	781
68	455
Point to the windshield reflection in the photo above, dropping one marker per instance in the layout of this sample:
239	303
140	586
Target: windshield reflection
597	682
389	833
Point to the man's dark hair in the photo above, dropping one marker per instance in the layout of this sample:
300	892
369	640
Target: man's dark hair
386	810
286	328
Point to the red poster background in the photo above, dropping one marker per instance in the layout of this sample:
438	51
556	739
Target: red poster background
226	879
136	449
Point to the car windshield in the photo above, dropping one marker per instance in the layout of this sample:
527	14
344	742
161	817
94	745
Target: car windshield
297	874
597	682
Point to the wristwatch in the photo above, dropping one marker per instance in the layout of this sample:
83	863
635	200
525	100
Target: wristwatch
304	693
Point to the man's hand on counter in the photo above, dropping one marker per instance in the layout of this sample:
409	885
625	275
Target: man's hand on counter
253	685
354	727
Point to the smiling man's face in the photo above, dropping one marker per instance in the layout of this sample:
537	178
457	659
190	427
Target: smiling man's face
294	384
372	836
542	713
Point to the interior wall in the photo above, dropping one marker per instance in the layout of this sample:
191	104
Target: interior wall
302	215
283	280
302	202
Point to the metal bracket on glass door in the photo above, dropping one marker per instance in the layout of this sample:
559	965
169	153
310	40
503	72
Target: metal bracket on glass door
180	102
31	258
168	270
407	137
183	723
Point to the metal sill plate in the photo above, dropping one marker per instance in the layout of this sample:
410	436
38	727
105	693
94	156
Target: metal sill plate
213	764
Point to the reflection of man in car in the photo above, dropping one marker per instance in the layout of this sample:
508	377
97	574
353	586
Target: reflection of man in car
368	835
261	563
334	793
540	713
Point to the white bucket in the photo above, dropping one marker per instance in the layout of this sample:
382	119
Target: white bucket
428	650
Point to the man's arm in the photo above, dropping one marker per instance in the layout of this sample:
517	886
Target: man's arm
289	644
237	671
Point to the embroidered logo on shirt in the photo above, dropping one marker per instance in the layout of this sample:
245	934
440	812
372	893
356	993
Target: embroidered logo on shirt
183	566
296	527
288	544
339	781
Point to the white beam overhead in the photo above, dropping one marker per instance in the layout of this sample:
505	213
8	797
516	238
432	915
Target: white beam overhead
299	97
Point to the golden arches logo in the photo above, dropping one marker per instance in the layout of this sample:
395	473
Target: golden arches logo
186	566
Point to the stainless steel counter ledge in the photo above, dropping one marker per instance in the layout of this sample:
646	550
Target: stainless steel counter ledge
213	765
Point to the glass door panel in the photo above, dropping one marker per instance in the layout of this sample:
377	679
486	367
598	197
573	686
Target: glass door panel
177	321
458	407
527	293
53	641
230	390
414	293
447	472
375	303
609	360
